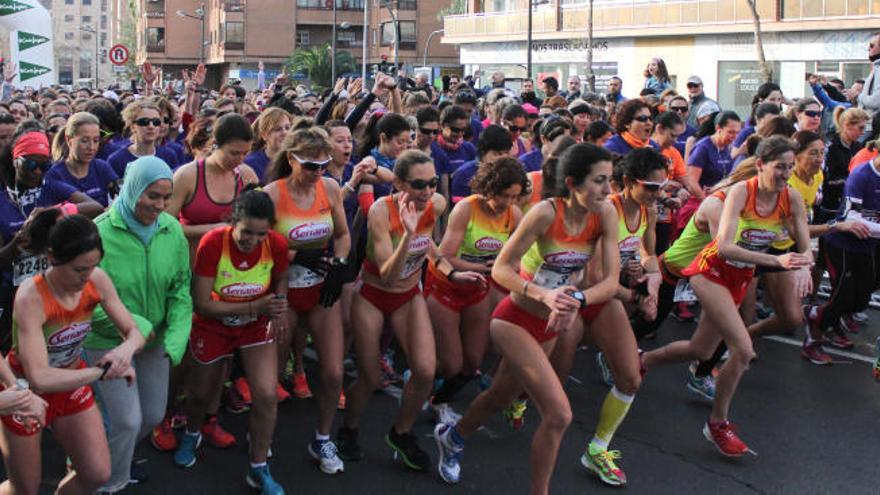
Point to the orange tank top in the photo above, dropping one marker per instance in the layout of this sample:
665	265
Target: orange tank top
419	243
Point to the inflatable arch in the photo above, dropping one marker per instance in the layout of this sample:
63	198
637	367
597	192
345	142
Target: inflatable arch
30	41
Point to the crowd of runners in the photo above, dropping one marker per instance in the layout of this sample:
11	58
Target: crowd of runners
170	254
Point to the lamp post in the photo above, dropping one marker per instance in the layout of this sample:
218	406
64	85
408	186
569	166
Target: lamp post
198	15
344	25
387	4
364	48
532	4
90	29
427	44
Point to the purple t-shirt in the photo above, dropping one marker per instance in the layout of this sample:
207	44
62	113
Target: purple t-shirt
175	149
682	139
716	164
120	160
94	184
532	160
618	145
259	161
744	134
862	195
461	179
447	161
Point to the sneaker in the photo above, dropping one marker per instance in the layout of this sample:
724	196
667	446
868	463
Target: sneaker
186	454
178	420
702	386
838	338
723	435
324	451
301	386
281	394
450	452
682	312
260	479
515	413
601	462
876	371
347	445
340	404
216	436
848	324
406	446
243	389
234	402
861	317
138	473
607	375
445	414
163	438
814	353
813	324
388	375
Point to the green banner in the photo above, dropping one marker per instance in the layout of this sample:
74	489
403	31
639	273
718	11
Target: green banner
29	40
28	70
9	7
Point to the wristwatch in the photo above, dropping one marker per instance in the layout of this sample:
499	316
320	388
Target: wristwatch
832	224
579	295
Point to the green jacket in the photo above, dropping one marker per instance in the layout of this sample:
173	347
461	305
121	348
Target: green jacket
153	283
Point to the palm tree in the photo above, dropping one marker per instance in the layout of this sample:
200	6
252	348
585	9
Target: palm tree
315	63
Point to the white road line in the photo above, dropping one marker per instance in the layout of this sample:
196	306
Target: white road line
828	349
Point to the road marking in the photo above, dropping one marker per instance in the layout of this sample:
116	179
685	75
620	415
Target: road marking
828	349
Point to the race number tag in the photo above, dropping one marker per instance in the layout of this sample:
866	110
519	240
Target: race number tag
26	267
684	292
300	277
550	279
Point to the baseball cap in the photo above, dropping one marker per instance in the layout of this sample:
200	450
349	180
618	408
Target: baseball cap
695	80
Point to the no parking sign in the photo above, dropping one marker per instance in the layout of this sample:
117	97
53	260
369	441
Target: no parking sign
118	54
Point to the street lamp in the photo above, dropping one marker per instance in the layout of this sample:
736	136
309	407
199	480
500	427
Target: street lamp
387	4
93	31
532	4
198	15
427	44
344	25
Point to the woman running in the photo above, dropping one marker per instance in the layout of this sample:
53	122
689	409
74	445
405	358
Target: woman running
311	215
554	244
240	299
78	144
51	315
479	225
754	215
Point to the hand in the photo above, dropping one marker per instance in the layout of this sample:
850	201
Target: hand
366	166
469	278
14	400
857	229
278	307
559	300
339	86
803	282
654	281
813	79
355	86
148	73
409	217
281	79
560	321
380	88
34	411
791	261
647	306
119	359
277	329
129	375
633	272
683	195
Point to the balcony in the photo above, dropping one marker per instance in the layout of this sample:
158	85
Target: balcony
233	5
328	4
154	8
823	9
156	47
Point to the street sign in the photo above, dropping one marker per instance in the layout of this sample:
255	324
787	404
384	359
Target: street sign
118	54
119	69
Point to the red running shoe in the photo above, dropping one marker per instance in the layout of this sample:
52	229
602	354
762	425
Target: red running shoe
837	338
244	389
301	386
216	436
163	438
723	435
814	353
281	393
682	312
848	324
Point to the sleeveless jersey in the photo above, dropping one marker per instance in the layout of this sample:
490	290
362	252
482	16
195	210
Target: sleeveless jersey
536	179
756	232
557	255
419	243
201	209
484	235
629	241
811	194
234	285
689	244
311	228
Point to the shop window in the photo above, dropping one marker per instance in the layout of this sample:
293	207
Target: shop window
737	84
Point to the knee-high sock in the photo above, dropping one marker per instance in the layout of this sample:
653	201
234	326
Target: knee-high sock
613	411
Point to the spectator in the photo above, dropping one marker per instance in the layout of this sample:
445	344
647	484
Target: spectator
869	99
699	100
656	76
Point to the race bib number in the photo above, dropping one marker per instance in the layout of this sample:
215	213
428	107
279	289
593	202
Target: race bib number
684	292
551	279
238	320
411	265
300	277
26	267
664	214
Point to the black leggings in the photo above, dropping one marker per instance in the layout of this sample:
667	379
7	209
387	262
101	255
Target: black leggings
854	276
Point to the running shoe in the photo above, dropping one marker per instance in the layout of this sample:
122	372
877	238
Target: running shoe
814	326
877	361
347	444
450	453
281	394
861	317
445	414
837	338
324	452
138	472
723	435
515	413
602	462
301	386
702	386
260	479
848	324
163	438
340	404
388	375
216	436
234	402
814	353
406	446
243	389
682	312
186	454
607	375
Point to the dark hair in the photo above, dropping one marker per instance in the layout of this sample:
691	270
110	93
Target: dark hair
777	126
803	103
764	91
640	162
65	236
108	115
427	114
627	111
465	98
668	120
551	128
598	129
552	82
723	118
772	147
805	139
232	127
494	138
389	124
577	162
252	203
407	160
765	109
514	111
200	132
707	128
662	71
453	113
551	161
6	118
493	178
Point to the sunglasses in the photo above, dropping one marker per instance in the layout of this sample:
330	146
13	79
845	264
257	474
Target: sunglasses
54	129
679	109
432	132
693	85
32	165
514	129
652	186
144	122
312	165
642	118
812	113
167	120
456	130
224	112
419	184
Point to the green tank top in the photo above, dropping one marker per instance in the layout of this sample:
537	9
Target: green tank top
629	241
484	235
689	244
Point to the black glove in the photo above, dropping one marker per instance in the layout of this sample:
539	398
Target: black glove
333	280
313	259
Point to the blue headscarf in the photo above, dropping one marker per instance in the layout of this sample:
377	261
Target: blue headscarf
139	175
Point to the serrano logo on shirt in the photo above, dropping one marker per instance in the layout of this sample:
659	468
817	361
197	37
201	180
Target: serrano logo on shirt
489	244
70	335
242	289
310	231
630	243
568	259
420	243
758	236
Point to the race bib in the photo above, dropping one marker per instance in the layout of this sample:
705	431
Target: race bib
238	320
684	292
550	278
300	277
26	267
64	346
418	248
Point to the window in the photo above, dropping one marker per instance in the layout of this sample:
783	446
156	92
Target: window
328	4
407	35
234	35
347	38
85	67
68	36
87	2
87	36
68	2
406	4
86	19
68	19
155	39
103	21
302	38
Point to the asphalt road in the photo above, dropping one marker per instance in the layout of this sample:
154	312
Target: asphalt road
815	431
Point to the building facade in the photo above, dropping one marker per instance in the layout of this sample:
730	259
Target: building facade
240	33
710	38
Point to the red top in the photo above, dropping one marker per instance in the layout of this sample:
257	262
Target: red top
201	209
211	248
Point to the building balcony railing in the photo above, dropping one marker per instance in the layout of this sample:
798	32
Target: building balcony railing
234	45
154	8
823	9
328	4
156	47
233	5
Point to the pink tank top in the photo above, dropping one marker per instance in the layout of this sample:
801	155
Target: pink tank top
201	209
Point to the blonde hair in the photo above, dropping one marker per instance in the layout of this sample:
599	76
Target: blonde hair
265	123
848	116
60	150
131	112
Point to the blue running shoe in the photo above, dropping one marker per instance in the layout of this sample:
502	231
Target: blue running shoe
449	462
186	453
259	478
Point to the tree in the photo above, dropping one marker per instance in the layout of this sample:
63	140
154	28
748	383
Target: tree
315	63
591	78
766	71
456	7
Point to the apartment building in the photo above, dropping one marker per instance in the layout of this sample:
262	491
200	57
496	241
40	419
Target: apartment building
236	34
82	37
710	38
